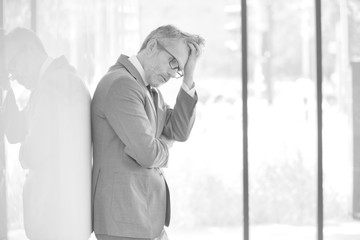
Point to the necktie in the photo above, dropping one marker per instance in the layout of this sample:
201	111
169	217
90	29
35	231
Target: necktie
149	89
153	95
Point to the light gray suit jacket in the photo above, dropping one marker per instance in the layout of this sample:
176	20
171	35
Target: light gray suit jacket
128	192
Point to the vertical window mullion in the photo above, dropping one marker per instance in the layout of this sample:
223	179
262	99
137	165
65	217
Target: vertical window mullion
320	200
2	14
245	118
355	65
34	15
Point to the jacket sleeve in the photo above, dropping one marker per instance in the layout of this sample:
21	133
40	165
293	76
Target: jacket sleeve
180	120
125	112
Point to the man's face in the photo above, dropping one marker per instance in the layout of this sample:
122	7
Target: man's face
160	70
22	65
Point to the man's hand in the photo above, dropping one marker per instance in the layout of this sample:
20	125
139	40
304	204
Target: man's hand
14	120
10	105
195	52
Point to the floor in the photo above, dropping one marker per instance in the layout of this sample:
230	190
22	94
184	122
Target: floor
344	231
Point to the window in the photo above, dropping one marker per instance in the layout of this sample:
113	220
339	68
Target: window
205	174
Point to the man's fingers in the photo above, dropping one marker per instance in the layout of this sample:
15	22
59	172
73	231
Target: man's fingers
195	48
192	48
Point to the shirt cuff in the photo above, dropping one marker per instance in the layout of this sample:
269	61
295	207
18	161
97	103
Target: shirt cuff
189	91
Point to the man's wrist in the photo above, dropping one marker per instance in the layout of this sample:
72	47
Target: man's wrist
189	82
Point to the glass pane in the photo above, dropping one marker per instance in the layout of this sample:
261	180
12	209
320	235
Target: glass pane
91	36
282	120
17	13
205	173
341	119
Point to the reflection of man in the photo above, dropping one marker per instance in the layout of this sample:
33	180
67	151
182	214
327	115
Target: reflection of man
54	132
133	130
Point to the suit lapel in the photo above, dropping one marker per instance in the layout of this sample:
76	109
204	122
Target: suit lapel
155	100
124	60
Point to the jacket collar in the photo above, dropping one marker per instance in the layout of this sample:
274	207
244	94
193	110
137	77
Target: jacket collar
123	61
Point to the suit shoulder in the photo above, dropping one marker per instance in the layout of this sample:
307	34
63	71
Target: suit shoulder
118	83
65	82
120	80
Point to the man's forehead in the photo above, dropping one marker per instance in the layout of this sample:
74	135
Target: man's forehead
180	50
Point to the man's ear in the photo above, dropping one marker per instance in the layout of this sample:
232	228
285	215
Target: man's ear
151	46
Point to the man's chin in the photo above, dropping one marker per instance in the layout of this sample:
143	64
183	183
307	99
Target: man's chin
162	81
157	83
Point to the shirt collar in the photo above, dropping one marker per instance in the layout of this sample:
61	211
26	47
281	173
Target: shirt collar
45	66
135	61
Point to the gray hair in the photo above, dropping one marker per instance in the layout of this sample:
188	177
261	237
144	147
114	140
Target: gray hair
21	37
170	32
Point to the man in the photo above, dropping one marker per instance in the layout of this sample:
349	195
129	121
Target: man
133	129
54	132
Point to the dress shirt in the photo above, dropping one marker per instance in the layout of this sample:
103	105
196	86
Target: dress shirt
44	66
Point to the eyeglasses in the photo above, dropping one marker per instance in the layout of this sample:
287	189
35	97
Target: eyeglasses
174	64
